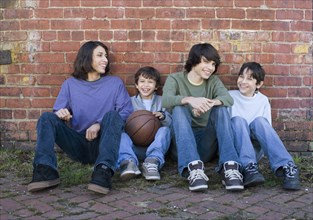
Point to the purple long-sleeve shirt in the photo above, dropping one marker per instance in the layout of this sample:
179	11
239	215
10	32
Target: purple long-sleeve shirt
89	101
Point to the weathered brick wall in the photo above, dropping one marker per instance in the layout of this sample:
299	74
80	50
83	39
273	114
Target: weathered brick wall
43	37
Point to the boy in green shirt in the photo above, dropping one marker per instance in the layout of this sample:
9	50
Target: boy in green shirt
201	123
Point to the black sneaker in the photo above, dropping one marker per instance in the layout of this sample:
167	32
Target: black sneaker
231	177
252	176
44	177
197	178
101	179
291	177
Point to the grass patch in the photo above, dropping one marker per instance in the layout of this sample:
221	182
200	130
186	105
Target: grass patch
19	163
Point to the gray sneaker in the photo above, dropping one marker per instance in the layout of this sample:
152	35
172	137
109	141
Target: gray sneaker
150	169
129	170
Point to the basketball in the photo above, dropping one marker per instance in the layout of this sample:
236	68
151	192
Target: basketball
141	126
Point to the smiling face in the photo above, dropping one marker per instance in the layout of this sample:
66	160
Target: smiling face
146	87
247	85
203	70
99	60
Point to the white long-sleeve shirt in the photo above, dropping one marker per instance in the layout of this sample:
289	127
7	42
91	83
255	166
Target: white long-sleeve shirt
250	107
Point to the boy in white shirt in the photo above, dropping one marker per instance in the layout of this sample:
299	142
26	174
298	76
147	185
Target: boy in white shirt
253	132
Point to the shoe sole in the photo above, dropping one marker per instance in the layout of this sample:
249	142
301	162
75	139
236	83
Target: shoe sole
254	183
233	188
129	175
152	177
198	188
97	188
37	186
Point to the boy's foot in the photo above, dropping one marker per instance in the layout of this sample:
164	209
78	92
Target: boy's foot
231	177
291	177
101	179
150	169
44	177
252	176
129	170
197	178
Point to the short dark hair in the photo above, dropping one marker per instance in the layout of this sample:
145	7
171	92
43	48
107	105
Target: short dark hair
83	61
257	70
148	72
202	50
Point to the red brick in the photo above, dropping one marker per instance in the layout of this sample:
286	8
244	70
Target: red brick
109	13
49	35
10	91
17	13
65	24
64	47
260	14
127	3
77	35
103	36
170	13
186	24
120	35
33	114
18	103
125	46
248	3
42	103
49	58
35	25
278	4
276	48
95	24
61	3
178	35
143	13
168	58
301	26
134	35
86	13
188	3
95	3
9	25
9	126
143	57
19	114
48	13
275	25
219	3
285	104
287	81
230	13
215	24
156	24
36	92
64	35
6	114
289	14
247	25
156	3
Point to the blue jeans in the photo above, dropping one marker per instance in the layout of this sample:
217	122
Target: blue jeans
203	143
102	150
157	149
258	133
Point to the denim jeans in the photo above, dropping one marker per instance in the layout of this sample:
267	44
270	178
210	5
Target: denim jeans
261	132
102	150
203	143
157	149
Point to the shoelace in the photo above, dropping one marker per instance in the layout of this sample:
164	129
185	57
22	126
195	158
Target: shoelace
233	174
252	168
151	167
197	174
290	170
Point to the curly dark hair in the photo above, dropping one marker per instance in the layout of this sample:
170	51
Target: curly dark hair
83	61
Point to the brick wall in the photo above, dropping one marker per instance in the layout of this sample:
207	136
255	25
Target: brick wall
44	36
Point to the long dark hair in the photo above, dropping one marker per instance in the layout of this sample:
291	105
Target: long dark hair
83	61
202	50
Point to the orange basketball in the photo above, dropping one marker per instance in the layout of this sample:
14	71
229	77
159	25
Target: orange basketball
141	126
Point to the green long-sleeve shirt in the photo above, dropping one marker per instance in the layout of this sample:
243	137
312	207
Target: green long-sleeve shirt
177	87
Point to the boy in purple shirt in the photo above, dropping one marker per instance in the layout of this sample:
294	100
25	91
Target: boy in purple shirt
95	105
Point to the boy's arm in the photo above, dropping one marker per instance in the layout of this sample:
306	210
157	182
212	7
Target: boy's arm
170	99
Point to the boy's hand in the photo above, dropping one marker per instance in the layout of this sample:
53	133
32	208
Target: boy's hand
159	115
92	132
64	114
201	104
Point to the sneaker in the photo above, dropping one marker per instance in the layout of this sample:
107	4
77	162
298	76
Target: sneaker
44	177
150	169
252	176
197	178
101	179
129	170
291	177
231	177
